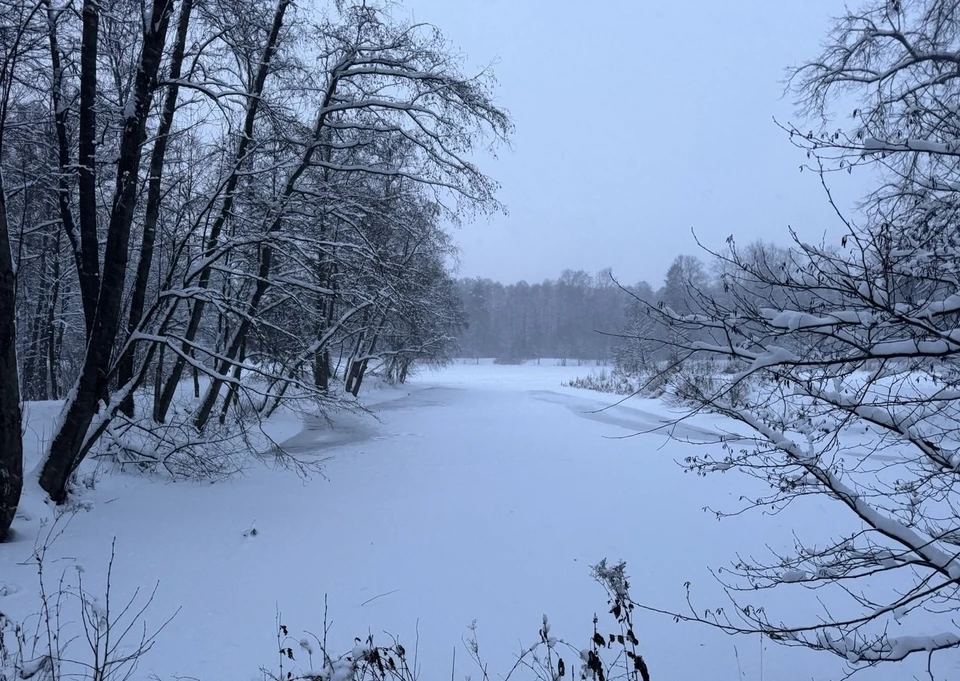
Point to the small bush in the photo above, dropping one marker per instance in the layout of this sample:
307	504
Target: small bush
697	381
611	654
615	382
76	633
656	381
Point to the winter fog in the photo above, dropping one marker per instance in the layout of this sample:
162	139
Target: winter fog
362	340
637	123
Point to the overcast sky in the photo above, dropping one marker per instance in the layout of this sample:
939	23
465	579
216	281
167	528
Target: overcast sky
637	121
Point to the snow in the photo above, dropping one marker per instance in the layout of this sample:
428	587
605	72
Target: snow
130	108
871	144
480	492
793	576
900	646
773	355
792	320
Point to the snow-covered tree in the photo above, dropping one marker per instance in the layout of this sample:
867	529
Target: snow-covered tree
853	396
16	20
635	351
225	197
847	361
685	278
892	66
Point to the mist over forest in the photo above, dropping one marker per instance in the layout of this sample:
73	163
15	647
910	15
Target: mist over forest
254	424
579	316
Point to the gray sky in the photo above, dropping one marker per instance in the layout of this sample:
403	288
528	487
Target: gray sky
637	121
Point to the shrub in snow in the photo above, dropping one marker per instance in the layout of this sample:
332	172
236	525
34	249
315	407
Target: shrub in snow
610	654
85	635
615	381
177	450
692	380
76	633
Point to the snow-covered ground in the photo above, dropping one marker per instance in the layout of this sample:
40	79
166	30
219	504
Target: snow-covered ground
483	493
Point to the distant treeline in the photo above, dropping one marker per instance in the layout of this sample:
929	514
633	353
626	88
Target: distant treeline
578	315
554	318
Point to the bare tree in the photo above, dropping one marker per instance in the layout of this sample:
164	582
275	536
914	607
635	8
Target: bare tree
14	22
71	439
847	359
897	62
280	214
125	370
418	134
852	396
228	197
280	185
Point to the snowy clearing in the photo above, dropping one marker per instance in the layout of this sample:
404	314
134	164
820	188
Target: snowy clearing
482	493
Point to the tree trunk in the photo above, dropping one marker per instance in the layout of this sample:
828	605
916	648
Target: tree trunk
158	381
321	370
233	390
349	374
31	384
361	369
11	443
229	191
62	328
321	359
53	390
360	372
157	160
66	450
89	257
87	267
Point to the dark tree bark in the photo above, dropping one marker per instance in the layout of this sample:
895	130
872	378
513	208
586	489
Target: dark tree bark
11	443
88	259
359	368
60	113
349	372
162	406
70	442
53	388
34	379
321	370
233	391
157	161
11	439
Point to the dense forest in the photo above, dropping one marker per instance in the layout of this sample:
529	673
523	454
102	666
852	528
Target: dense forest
577	316
554	318
210	210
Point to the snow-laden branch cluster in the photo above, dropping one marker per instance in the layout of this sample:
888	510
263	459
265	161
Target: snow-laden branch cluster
844	367
225	207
